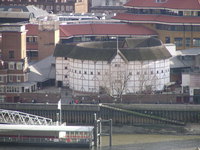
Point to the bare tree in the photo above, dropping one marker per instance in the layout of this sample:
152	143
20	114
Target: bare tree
115	85
147	81
119	85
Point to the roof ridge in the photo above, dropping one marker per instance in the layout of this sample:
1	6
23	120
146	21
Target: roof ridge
63	30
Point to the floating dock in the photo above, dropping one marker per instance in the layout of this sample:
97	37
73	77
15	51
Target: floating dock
45	135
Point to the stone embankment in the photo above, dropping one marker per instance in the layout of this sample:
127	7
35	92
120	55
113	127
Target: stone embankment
189	129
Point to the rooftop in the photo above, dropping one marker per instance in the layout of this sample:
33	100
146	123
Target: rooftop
150	18
172	4
142	49
10	14
96	29
42	70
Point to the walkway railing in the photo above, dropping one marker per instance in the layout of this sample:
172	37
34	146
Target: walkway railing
17	117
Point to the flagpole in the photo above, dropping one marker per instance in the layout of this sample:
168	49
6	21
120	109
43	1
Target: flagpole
60	107
60	112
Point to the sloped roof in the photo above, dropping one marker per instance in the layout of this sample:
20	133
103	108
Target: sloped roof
144	49
63	50
147	18
152	53
9	14
85	53
172	4
42	70
104	29
95	29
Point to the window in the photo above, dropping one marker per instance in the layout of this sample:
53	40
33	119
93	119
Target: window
10	78
31	39
117	65
19	66
11	54
1	78
178	42
98	73
187	42
167	39
85	72
161	1
79	72
196	42
18	78
65	67
107	2
11	66
91	73
65	76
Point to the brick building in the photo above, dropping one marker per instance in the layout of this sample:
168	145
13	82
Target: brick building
175	21
13	63
55	6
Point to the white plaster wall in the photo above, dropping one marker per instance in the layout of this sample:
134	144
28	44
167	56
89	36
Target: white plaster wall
87	76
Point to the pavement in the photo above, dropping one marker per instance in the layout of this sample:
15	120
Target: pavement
65	93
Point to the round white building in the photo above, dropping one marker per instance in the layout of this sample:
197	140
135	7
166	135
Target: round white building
133	66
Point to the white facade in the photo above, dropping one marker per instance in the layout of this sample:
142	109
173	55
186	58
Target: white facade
133	76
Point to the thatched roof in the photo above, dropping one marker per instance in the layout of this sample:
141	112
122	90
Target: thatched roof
132	49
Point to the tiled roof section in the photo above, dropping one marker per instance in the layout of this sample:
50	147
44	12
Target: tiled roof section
172	4
104	29
32	29
99	54
84	53
63	50
95	29
144	49
147	53
156	18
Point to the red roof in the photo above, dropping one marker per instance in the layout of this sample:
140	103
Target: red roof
95	29
157	18
104	29
173	4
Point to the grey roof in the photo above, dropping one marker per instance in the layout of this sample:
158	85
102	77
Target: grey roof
42	70
132	49
10	14
191	51
176	62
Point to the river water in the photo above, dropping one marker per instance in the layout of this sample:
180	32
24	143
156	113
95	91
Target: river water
134	142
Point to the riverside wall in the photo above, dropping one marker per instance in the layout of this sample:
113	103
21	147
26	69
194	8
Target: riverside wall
121	114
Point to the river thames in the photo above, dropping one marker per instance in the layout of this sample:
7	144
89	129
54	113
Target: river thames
134	142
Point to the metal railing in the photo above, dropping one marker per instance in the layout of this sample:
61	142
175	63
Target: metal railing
17	117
